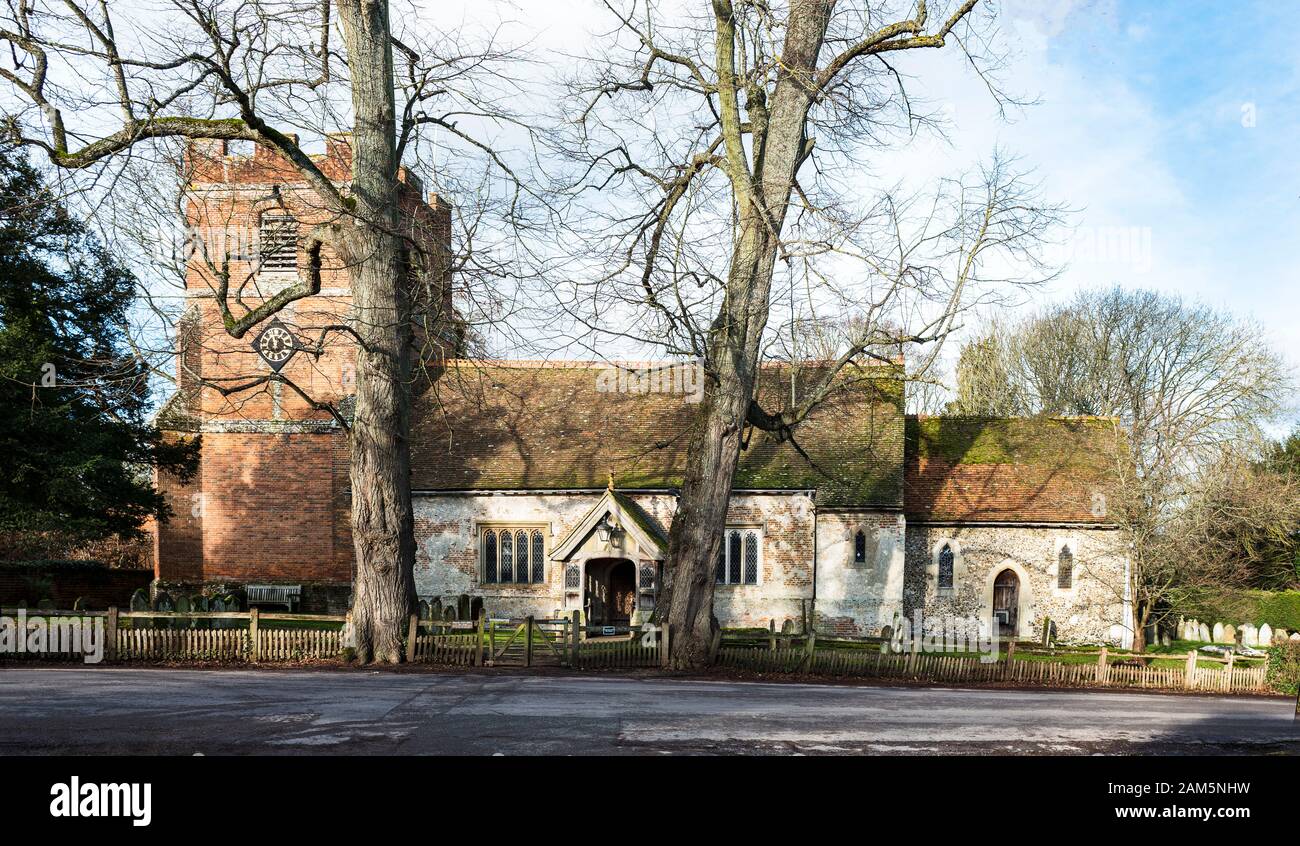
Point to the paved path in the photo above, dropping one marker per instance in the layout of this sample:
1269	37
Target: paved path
104	710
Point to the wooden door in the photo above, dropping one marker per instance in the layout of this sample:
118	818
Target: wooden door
1006	602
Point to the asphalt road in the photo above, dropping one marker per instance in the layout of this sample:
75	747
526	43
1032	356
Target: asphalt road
93	711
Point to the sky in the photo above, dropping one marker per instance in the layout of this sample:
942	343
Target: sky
1169	126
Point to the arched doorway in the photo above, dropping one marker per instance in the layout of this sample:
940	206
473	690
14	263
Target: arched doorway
610	591
1006	602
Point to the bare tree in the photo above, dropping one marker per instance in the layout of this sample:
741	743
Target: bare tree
92	86
716	148
1191	386
1239	527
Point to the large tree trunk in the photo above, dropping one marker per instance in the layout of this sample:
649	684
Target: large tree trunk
737	333
382	523
696	534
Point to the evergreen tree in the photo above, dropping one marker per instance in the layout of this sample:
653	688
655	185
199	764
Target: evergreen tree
76	447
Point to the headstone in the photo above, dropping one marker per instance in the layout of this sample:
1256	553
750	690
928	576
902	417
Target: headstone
1295	637
1230	634
198	602
1249	635
1204	635
1264	637
217	604
140	600
423	609
1166	640
79	604
1217	633
1279	636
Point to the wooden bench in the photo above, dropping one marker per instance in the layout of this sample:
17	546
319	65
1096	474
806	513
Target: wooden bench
287	595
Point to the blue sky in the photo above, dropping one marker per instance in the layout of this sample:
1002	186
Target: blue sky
1175	121
1151	115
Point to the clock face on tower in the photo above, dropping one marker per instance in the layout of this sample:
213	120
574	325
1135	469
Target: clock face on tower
275	344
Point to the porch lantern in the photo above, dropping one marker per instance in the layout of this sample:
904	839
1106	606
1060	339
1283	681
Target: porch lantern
607	531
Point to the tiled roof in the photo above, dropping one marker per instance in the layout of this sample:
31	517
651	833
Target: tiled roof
557	425
979	469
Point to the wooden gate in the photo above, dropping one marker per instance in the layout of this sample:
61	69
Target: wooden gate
528	642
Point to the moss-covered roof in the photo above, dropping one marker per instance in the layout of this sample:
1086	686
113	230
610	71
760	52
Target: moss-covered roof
999	469
1009	440
556	426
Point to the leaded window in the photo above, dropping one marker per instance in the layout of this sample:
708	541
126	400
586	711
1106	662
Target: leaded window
507	568
738	558
539	571
946	567
1065	569
513	556
489	556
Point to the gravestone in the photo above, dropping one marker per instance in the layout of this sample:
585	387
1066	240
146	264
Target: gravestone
1230	634
1279	636
1249	636
218	604
1204	635
423	609
1217	633
140	600
163	601
1265	636
79	604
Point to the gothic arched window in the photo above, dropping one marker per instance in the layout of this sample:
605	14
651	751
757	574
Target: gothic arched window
860	547
507	569
539	569
489	557
1065	568
521	556
945	567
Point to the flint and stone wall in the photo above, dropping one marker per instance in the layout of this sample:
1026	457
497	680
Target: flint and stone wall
1092	611
447	555
856	599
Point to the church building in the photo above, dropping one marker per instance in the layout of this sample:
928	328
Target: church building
543	488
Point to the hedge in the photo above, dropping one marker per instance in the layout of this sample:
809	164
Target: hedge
1284	668
1279	609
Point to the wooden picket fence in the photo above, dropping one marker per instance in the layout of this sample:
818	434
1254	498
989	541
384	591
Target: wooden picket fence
950	669
622	653
242	636
149	644
460	650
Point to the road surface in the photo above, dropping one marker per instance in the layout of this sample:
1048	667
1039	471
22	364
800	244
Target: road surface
169	711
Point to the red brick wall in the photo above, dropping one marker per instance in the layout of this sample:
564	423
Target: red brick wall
265	508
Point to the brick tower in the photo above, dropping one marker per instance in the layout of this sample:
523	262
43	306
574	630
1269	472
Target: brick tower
271	499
